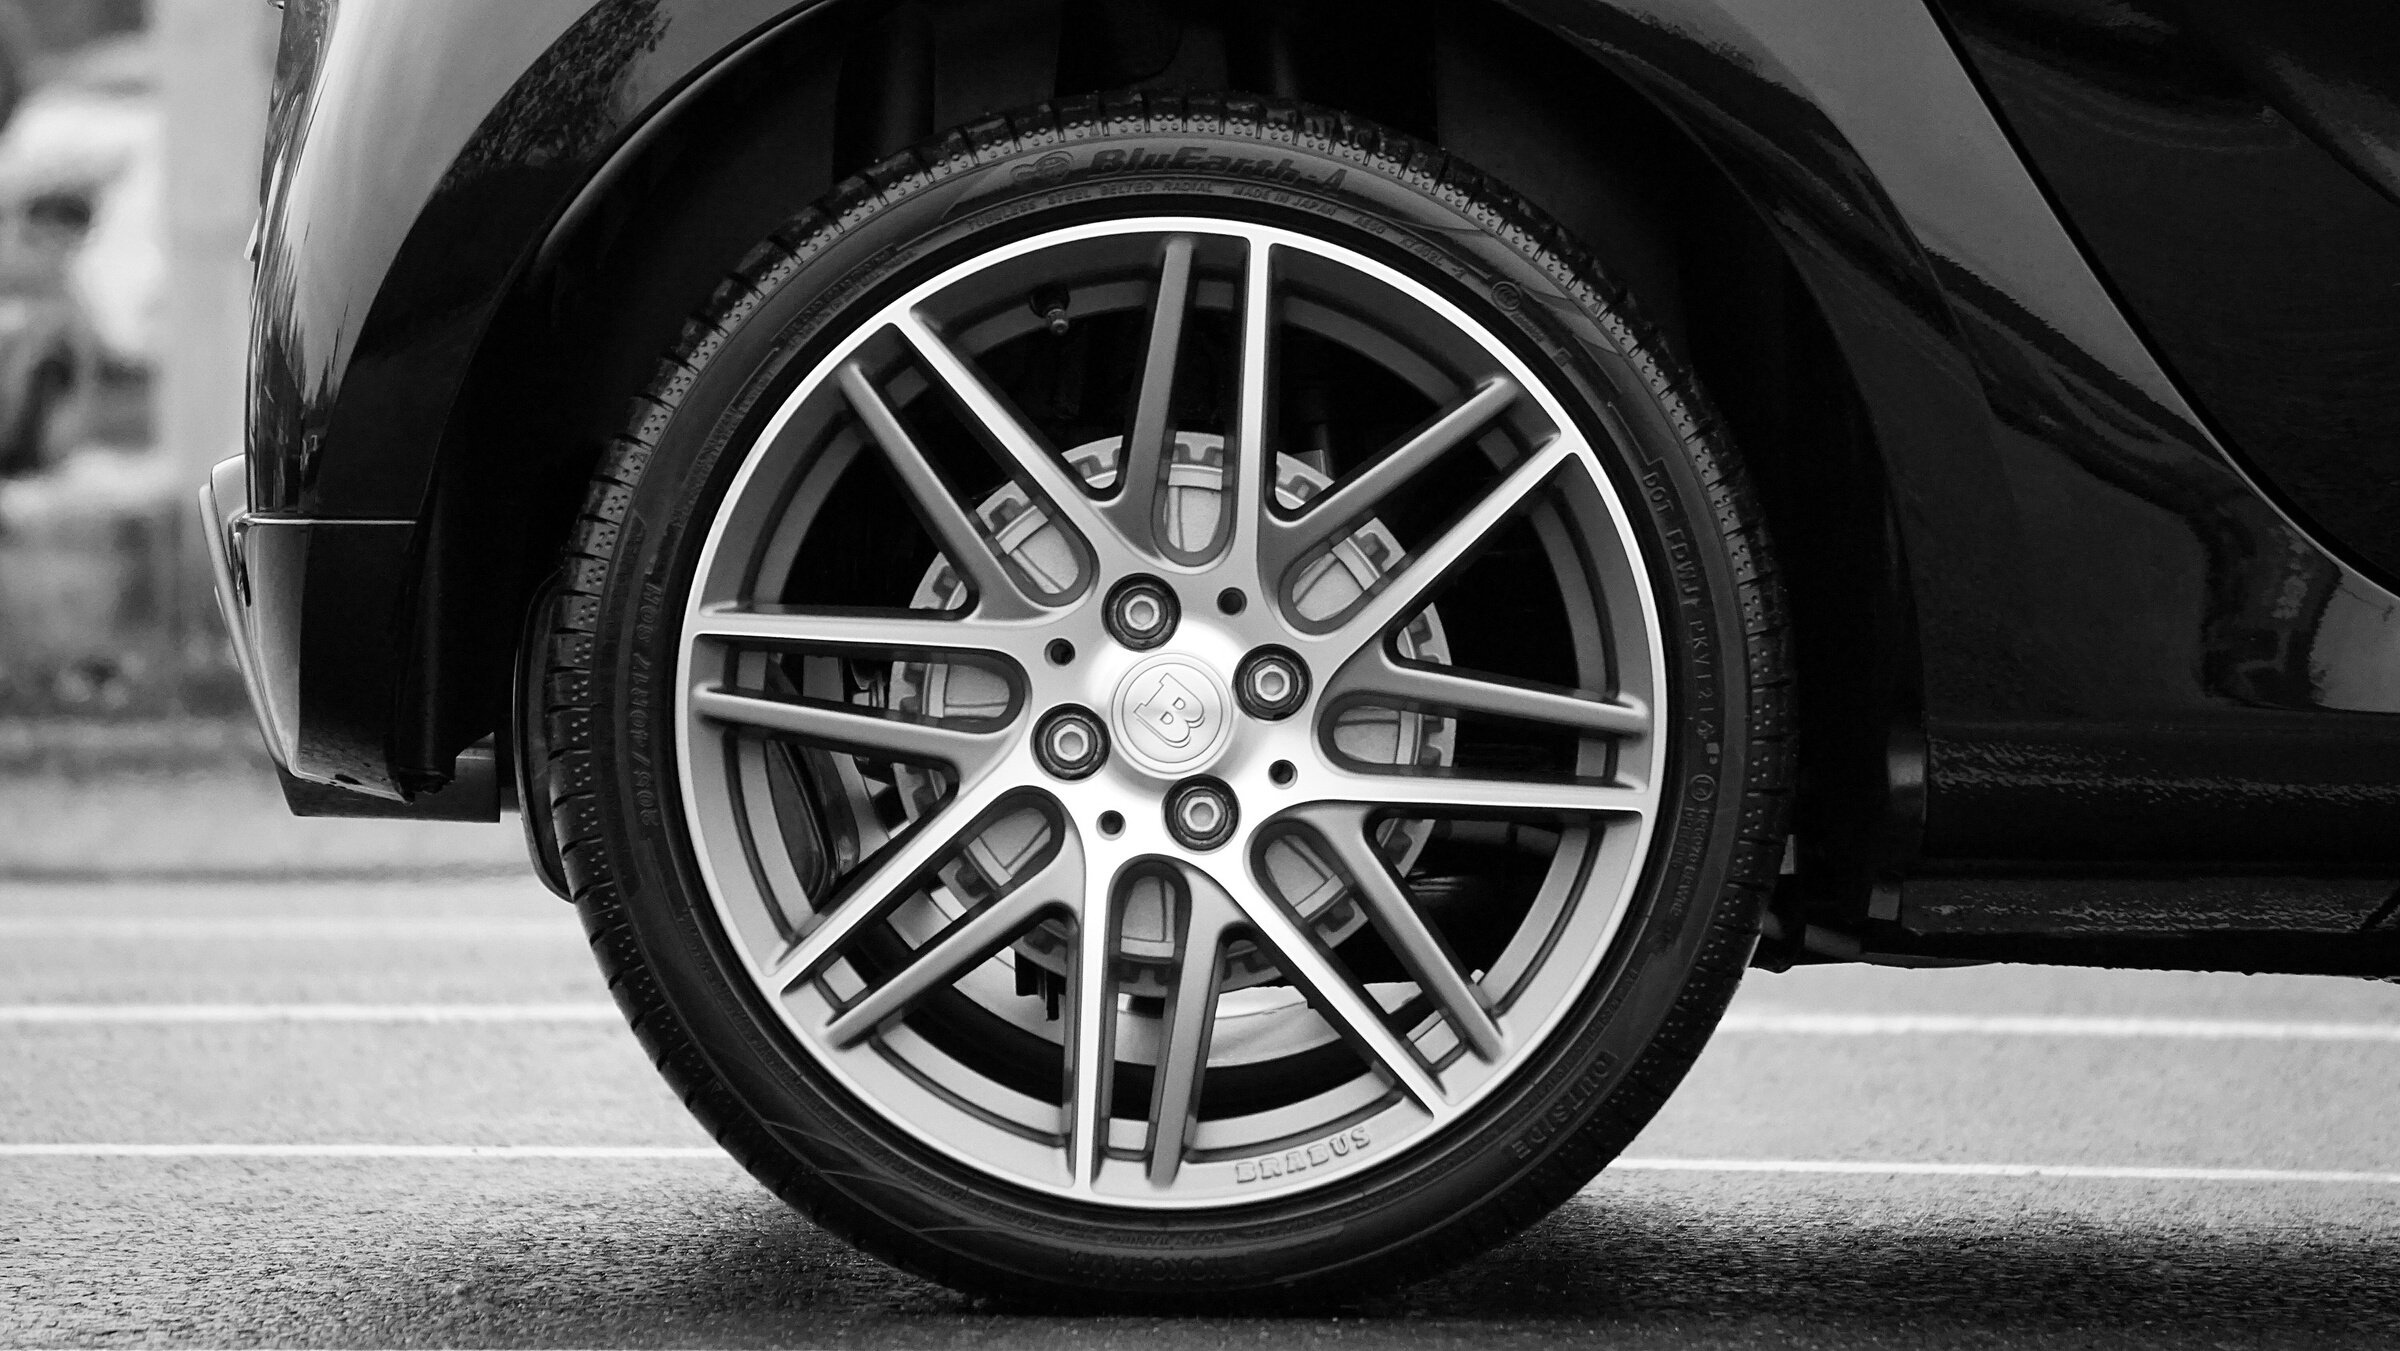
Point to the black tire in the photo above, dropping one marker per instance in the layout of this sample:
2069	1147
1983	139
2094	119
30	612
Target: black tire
1634	1031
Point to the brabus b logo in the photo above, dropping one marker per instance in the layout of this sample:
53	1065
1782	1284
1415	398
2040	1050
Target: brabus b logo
1170	714
1172	711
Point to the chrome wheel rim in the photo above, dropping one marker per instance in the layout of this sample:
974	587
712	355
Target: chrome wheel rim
1141	915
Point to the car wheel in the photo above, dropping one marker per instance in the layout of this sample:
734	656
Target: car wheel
1168	696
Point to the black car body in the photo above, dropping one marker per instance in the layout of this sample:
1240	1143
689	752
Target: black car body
1947	446
2082	318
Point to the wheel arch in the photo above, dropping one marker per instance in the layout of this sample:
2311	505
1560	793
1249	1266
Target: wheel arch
579	331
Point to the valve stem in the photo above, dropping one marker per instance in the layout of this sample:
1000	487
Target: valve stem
1051	304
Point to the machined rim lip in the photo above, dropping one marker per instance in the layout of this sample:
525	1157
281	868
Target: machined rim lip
1621	854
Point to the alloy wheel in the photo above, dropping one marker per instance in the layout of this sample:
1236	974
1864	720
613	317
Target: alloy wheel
1107	865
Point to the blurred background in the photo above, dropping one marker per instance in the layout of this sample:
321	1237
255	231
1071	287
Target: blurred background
129	184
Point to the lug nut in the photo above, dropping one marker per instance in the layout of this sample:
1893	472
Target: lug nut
1070	743
1271	683
1201	813
1142	612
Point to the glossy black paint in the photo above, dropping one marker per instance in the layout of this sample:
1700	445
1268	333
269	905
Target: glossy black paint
2225	165
307	578
2089	571
2107	649
424	168
418	158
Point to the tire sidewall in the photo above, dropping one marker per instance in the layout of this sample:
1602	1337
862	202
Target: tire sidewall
1526	1145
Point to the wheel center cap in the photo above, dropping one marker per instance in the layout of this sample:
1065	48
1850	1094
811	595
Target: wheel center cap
1172	714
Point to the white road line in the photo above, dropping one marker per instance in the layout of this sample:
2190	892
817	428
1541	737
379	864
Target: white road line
1939	1024
710	1154
309	1013
252	928
2093	1172
602	1153
1738	1022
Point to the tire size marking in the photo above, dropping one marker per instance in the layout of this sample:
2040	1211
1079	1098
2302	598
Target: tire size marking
1291	1161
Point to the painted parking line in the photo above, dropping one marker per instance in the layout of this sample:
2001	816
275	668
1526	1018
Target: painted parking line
710	1154
1796	1023
253	928
309	1013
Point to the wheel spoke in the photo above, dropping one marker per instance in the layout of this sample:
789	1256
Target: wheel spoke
1403	593
969	940
1428	791
1091	1030
889	877
1144	472
1249	469
1343	1004
879	632
1419	947
852	730
1189	1017
1063	495
1349	504
998	592
1374	677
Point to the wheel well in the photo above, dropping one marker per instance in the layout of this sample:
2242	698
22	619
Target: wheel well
581	331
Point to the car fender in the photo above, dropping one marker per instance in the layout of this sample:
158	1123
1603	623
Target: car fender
1999	374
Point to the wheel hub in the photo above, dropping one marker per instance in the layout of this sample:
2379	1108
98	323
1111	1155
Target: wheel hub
1172	714
1156	699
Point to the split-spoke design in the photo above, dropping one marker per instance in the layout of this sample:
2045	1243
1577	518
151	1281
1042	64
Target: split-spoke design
998	592
1408	590
885	880
1343	830
1186	1019
843	728
862	632
1051	889
1091	1033
1458	794
1026	457
883	828
1372	675
1284	542
1334	995
1246	505
1135	509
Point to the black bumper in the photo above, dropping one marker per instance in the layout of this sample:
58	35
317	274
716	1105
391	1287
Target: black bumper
312	609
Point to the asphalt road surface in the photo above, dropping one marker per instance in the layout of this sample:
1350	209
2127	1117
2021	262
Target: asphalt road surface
392	1113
